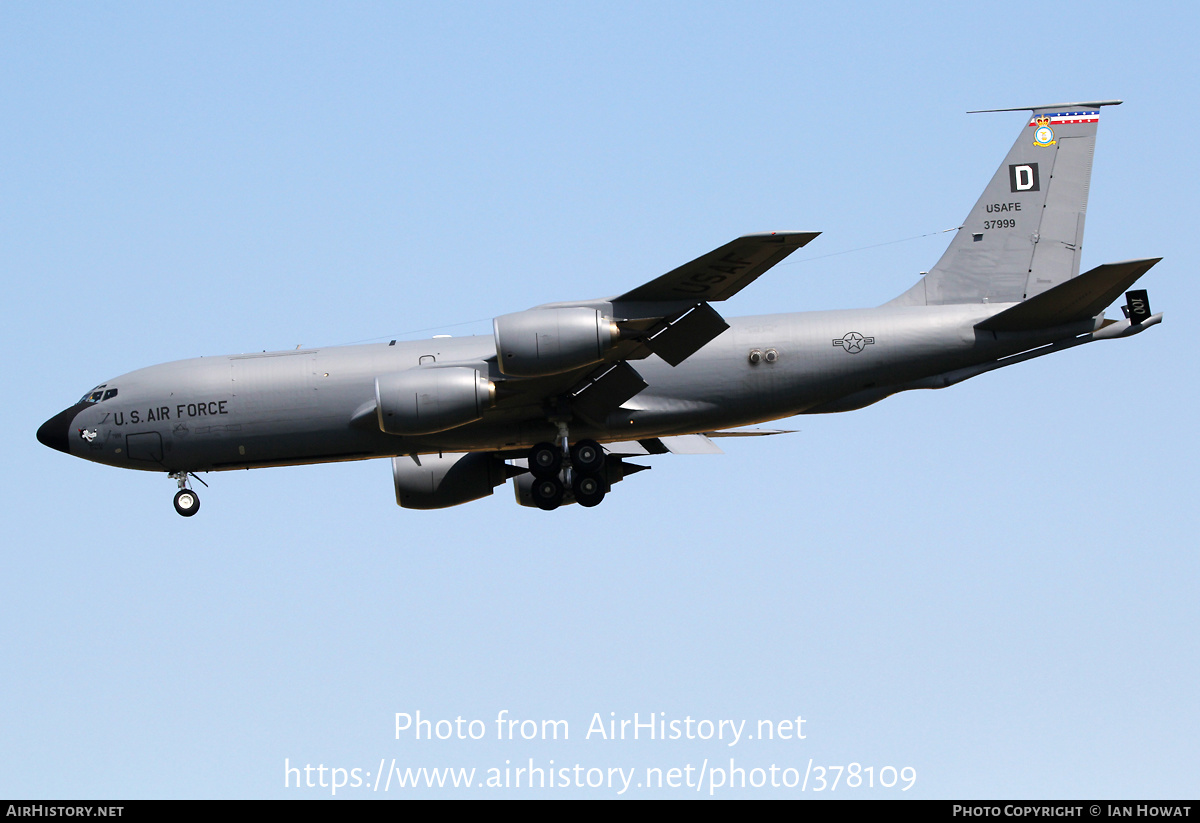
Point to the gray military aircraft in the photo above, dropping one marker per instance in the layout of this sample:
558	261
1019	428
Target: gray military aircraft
560	396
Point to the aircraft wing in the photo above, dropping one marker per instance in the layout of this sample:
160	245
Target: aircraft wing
669	317
722	272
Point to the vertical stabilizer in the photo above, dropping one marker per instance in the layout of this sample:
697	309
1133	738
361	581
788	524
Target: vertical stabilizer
1026	232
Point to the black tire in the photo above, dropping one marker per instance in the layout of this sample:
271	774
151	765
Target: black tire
547	493
588	490
545	460
187	502
587	457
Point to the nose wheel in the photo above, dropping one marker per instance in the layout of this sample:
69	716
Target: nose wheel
187	502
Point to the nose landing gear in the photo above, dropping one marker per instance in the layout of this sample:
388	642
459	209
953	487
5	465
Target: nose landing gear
187	502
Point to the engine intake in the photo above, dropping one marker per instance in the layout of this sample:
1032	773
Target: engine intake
424	401
446	480
551	341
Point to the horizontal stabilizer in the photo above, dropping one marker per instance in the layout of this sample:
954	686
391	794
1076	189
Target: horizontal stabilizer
1078	299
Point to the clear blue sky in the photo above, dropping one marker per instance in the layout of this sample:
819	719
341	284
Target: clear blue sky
993	584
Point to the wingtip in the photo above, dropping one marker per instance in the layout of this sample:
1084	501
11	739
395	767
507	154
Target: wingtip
802	236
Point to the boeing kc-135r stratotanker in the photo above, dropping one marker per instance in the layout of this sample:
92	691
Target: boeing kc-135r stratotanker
560	396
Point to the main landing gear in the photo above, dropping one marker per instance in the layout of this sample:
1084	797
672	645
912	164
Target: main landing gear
187	502
556	467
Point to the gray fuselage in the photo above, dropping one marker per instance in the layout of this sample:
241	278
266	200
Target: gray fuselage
317	405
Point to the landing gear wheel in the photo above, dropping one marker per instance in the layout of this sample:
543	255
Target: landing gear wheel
545	460
547	493
587	456
588	490
187	502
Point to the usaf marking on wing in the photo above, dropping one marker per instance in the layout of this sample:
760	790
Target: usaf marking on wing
561	396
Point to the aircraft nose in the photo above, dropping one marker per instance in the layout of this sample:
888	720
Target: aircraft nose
56	432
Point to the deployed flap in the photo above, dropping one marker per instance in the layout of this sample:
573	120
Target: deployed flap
626	447
722	272
749	432
685	444
687	335
677	444
607	391
1074	301
690	444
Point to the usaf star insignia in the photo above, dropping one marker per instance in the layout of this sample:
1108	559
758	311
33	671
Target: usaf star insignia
854	342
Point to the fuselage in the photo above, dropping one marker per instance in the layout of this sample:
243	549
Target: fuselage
318	405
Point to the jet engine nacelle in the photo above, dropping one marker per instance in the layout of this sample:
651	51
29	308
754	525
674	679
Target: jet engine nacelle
551	341
445	480
424	401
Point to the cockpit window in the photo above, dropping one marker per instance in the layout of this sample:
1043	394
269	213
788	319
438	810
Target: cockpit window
98	394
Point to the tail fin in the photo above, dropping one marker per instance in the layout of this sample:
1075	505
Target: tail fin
1025	233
